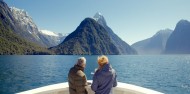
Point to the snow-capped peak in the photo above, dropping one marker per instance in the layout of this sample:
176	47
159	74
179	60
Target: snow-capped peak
22	16
98	16
100	19
19	12
50	33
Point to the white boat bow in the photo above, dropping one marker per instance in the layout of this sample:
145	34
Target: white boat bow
62	88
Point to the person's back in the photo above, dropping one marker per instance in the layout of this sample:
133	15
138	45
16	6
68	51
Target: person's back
104	79
77	80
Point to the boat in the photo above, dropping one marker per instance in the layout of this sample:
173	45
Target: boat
63	88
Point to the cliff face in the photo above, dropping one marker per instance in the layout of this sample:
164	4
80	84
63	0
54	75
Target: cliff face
26	28
178	42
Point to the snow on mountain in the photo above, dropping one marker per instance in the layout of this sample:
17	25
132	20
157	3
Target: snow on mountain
100	19
50	33
22	16
30	31
97	16
27	28
51	38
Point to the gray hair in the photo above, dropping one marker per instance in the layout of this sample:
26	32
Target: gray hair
81	61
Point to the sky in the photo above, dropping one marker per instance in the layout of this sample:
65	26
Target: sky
131	20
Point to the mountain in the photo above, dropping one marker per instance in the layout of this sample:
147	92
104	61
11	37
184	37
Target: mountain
178	42
30	31
121	45
154	45
50	38
26	26
10	42
100	19
88	38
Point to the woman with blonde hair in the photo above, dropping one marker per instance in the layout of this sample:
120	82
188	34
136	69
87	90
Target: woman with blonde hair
104	78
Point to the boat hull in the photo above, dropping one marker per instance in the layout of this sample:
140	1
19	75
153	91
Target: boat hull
62	88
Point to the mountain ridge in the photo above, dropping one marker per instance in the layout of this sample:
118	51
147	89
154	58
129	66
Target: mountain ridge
26	26
153	45
89	38
30	31
178	42
122	46
11	43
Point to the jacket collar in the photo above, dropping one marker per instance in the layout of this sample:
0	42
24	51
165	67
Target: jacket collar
79	67
106	67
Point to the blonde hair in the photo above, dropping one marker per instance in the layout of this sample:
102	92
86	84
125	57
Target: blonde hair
102	60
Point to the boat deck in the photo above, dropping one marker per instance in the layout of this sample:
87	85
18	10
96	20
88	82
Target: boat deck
62	88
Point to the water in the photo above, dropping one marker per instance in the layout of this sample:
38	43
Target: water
169	74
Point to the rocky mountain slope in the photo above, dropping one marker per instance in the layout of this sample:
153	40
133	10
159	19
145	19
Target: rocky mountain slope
10	42
30	31
89	38
121	45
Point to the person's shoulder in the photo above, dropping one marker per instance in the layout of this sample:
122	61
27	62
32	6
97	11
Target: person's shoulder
71	69
80	73
98	73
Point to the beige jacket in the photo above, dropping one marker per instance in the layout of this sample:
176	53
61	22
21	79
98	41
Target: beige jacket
77	80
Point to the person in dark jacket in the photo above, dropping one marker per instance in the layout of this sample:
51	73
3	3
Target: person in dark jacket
104	78
77	79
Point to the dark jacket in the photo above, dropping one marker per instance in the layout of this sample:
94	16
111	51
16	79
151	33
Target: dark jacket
104	79
77	80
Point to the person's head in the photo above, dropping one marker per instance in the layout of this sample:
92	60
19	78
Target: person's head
81	62
102	60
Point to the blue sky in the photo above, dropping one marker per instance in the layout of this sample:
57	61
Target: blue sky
132	20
